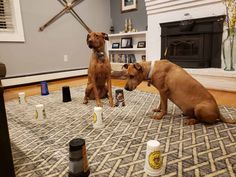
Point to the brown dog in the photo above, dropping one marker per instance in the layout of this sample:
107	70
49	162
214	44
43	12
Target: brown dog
99	71
176	84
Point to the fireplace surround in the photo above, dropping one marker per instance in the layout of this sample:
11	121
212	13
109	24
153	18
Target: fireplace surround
194	43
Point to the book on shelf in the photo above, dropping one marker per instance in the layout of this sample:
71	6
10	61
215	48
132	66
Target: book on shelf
122	58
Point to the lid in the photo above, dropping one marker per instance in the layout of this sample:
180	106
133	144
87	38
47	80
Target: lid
119	90
76	144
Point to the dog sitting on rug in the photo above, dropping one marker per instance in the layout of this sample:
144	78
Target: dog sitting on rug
99	71
175	84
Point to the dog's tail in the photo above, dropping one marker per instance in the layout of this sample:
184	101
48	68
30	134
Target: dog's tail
228	120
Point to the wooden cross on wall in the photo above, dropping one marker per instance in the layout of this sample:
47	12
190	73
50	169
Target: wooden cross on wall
68	7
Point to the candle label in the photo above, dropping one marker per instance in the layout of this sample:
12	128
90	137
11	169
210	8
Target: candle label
36	114
94	118
85	160
155	160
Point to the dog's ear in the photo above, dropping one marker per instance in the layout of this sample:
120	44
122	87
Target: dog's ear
105	36
138	67
87	37
125	66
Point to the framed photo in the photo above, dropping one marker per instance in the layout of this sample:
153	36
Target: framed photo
141	44
128	5
143	57
115	45
126	42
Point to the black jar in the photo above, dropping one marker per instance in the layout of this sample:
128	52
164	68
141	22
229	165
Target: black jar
78	165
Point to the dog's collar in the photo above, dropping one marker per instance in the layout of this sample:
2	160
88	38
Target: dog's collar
150	73
100	55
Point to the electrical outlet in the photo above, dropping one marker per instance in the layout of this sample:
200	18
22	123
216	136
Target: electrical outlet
66	58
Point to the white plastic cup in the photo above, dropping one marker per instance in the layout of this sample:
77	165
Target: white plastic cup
21	97
153	161
97	118
40	111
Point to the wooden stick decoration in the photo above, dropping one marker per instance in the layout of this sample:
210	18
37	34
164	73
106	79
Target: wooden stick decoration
68	8
77	17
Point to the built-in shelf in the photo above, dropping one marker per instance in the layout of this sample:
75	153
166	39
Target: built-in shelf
127	49
128	34
119	56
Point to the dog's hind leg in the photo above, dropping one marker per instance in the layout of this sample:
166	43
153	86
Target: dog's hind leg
162	106
206	113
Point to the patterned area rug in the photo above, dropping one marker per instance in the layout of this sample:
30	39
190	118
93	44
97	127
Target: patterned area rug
40	147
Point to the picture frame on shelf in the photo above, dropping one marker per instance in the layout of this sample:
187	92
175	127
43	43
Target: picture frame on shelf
128	5
126	42
141	44
143	57
115	45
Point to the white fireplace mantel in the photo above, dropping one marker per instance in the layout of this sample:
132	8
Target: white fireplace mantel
162	11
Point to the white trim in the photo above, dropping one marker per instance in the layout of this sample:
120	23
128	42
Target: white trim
44	77
18	34
215	78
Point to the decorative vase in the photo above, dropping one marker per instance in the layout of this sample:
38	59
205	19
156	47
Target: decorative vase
229	50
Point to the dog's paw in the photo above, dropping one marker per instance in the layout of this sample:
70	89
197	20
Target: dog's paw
111	104
157	117
156	110
85	102
190	121
99	105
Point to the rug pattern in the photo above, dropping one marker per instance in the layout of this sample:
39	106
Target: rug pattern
40	147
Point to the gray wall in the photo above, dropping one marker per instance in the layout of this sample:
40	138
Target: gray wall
138	17
44	51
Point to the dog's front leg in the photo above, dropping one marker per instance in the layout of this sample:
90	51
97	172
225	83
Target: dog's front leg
162	106
96	95
158	109
110	92
87	92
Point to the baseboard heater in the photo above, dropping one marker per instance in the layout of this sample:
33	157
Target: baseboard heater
38	77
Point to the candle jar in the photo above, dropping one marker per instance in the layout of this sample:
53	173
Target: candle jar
78	164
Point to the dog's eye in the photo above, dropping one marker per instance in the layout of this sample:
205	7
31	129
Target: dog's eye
131	76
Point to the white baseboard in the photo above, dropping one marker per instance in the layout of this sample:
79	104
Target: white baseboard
6	82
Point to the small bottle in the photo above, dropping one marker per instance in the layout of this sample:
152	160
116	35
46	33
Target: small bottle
78	165
21	97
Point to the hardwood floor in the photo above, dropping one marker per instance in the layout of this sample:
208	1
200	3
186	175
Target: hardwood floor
222	97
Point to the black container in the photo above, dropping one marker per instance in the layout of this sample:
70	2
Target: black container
66	94
78	165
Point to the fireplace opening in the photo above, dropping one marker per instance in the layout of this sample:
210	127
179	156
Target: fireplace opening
194	43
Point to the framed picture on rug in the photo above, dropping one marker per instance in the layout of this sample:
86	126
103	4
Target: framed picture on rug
128	5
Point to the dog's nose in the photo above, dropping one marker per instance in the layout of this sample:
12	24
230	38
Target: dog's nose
127	88
90	44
